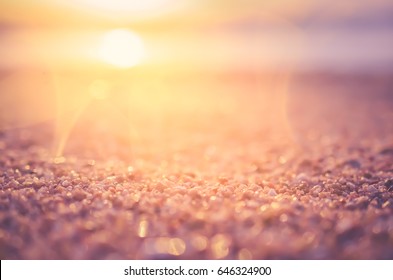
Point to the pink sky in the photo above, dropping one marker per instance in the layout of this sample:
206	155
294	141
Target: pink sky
215	34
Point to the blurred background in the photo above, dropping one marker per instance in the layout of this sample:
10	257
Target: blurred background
344	36
124	67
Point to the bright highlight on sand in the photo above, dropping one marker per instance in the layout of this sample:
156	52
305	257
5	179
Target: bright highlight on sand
121	48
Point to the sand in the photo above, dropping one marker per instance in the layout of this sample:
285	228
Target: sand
208	183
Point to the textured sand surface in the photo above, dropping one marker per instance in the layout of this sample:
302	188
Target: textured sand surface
224	178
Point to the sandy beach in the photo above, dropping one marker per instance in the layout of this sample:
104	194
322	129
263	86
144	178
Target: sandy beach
220	174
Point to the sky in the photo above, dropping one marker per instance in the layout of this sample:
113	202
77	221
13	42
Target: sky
318	34
87	49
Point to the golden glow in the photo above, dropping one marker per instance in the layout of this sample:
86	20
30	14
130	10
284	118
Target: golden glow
126	5
220	244
143	228
121	48
199	242
99	89
178	51
177	247
172	246
244	254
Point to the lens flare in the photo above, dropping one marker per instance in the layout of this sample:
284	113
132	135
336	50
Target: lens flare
121	48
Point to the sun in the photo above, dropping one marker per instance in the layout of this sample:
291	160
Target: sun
121	48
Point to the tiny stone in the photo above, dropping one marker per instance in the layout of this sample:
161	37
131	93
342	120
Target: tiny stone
65	183
13	184
372	189
248	194
79	194
316	189
387	204
302	177
272	192
351	185
353	163
389	183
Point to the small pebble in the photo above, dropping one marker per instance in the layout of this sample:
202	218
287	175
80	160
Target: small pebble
272	192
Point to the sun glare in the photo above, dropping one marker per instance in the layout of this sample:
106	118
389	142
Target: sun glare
121	48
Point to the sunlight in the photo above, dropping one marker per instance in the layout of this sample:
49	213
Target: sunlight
127	11
99	89
121	48
125	5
